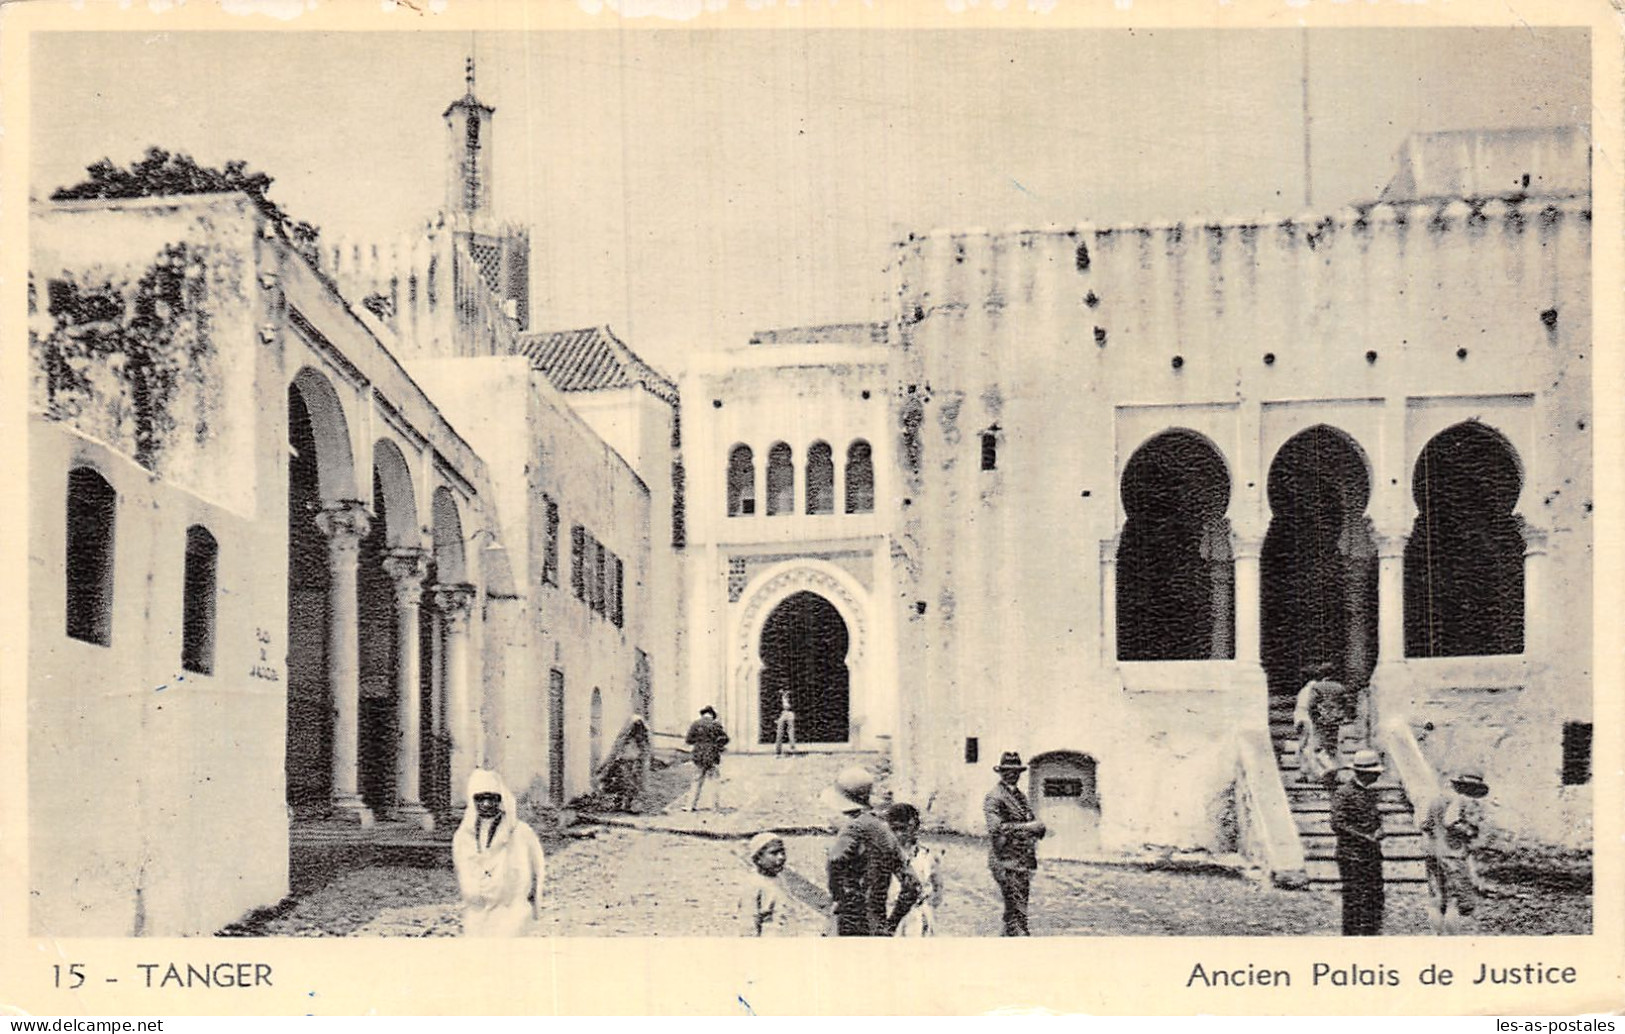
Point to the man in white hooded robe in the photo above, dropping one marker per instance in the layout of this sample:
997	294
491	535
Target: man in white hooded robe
499	863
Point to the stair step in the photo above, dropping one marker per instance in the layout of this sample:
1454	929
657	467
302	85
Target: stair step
1319	823
1394	845
1323	871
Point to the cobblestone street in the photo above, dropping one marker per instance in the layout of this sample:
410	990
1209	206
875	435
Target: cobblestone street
635	883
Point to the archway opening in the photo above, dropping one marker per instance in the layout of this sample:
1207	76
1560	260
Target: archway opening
1319	564
309	758
1464	593
803	652
446	567
1175	573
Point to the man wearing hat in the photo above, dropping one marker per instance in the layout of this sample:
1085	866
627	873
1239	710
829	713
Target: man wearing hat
1014	832
1454	830
1358	824
708	739
863	859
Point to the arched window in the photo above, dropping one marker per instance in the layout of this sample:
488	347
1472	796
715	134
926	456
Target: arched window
92	507
198	604
1464	560
820	478
860	478
781	480
1175	574
741	482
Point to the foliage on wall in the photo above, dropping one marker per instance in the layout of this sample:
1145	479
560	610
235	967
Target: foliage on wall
160	173
119	346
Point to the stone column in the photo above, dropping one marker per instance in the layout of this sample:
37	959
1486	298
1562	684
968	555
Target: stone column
455	603
1247	550
345	523
407	568
439	757
1388	683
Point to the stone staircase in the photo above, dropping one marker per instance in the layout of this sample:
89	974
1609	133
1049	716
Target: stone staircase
1312	805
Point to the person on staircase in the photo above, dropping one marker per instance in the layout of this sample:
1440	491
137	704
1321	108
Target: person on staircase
1322	705
1357	821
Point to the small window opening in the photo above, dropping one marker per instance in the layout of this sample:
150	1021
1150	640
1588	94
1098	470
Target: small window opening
781	481
741	481
860	478
92	507
198	605
1576	753
973	750
990	449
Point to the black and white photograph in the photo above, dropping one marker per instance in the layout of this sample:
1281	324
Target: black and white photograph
811	482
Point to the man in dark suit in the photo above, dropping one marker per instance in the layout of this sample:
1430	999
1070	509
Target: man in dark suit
708	739
1014	832
1357	821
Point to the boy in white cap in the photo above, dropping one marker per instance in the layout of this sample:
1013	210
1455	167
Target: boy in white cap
1454	831
764	911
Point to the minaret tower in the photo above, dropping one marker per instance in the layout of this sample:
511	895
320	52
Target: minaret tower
468	134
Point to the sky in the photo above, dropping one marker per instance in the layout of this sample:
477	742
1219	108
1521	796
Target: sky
690	187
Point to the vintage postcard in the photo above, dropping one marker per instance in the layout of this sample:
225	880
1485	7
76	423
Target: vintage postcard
513	502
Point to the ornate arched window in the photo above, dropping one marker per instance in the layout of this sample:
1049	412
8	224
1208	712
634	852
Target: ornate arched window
860	478
741	482
1175	574
1464	559
820	478
781	480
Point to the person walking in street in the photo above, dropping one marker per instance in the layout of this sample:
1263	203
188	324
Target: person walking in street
1013	831
765	910
1357	822
499	862
863	859
1453	832
708	739
786	724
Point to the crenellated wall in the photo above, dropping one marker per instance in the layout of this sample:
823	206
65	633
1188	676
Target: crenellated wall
427	292
1073	347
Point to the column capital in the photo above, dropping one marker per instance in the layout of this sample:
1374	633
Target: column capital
1390	544
1246	547
1534	537
407	566
455	602
345	522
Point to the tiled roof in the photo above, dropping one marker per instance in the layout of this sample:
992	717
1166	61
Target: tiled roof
592	359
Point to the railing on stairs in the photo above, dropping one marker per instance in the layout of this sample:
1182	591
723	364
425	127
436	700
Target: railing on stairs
1268	831
1414	771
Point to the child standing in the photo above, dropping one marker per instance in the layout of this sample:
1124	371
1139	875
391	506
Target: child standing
765	909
